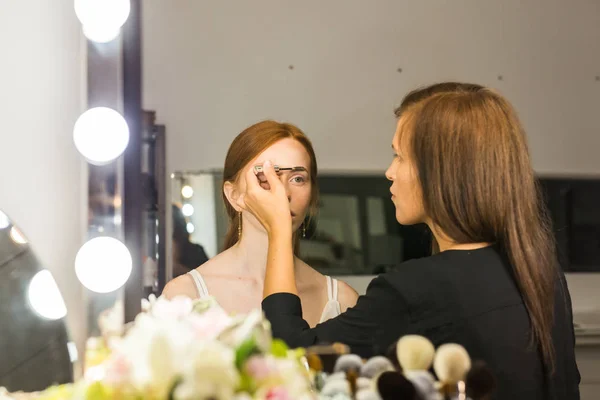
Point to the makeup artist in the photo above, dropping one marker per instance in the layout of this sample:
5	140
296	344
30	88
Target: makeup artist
460	165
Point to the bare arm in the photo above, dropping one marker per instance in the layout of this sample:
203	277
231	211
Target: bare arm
271	207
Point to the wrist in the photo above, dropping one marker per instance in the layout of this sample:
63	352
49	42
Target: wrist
280	234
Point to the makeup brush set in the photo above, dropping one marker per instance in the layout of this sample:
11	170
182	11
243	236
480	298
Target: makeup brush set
404	374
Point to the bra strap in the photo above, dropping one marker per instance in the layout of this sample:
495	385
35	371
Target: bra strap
335	289
199	282
330	289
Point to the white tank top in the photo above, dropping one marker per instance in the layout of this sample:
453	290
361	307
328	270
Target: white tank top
332	308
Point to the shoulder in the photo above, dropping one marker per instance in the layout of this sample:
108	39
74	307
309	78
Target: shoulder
218	264
419	268
347	296
181	286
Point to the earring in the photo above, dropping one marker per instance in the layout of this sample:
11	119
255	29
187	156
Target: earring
303	230
239	225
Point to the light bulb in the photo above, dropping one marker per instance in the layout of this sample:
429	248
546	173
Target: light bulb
101	134
103	264
4	221
190	227
187	210
17	236
101	34
187	191
107	15
44	296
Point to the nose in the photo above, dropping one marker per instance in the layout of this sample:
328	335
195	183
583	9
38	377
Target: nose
288	191
389	173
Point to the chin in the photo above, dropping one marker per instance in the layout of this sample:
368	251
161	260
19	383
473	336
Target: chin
406	220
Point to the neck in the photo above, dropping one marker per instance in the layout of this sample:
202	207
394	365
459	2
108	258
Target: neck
446	243
251	251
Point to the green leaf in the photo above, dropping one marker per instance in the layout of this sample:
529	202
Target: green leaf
246	383
244	352
279	348
98	391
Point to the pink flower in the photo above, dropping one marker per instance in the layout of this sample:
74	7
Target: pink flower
278	393
209	324
176	308
118	369
259	368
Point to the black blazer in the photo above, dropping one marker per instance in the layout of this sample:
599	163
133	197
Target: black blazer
458	296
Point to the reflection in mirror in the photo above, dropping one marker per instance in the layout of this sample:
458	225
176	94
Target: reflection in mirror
35	350
199	219
355	231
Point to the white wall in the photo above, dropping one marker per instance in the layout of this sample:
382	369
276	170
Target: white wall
211	68
40	170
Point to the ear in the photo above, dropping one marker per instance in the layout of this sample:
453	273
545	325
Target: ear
232	194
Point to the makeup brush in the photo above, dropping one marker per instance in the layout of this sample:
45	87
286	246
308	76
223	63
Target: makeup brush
480	381
367	394
346	362
451	364
392	355
375	366
415	353
259	168
336	387
392	385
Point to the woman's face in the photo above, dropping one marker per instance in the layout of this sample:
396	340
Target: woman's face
288	153
405	189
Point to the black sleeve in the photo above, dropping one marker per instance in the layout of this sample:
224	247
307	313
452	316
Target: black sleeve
379	318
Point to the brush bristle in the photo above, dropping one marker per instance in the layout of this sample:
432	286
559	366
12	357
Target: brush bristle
451	363
480	380
415	353
392	385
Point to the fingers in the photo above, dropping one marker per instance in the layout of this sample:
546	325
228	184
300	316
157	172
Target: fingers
271	175
252	182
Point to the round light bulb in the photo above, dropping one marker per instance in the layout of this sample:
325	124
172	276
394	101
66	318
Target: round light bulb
103	264
44	296
190	227
187	191
101	135
17	236
4	221
104	13
101	34
187	210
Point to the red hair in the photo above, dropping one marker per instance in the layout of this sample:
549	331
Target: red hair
247	146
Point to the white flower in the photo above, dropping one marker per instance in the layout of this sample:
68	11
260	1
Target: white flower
252	326
213	374
156	351
112	321
176	308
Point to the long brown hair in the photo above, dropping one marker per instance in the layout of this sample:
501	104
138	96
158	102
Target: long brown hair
478	185
249	144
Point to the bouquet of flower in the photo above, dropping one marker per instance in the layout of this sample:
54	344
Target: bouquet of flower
185	349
